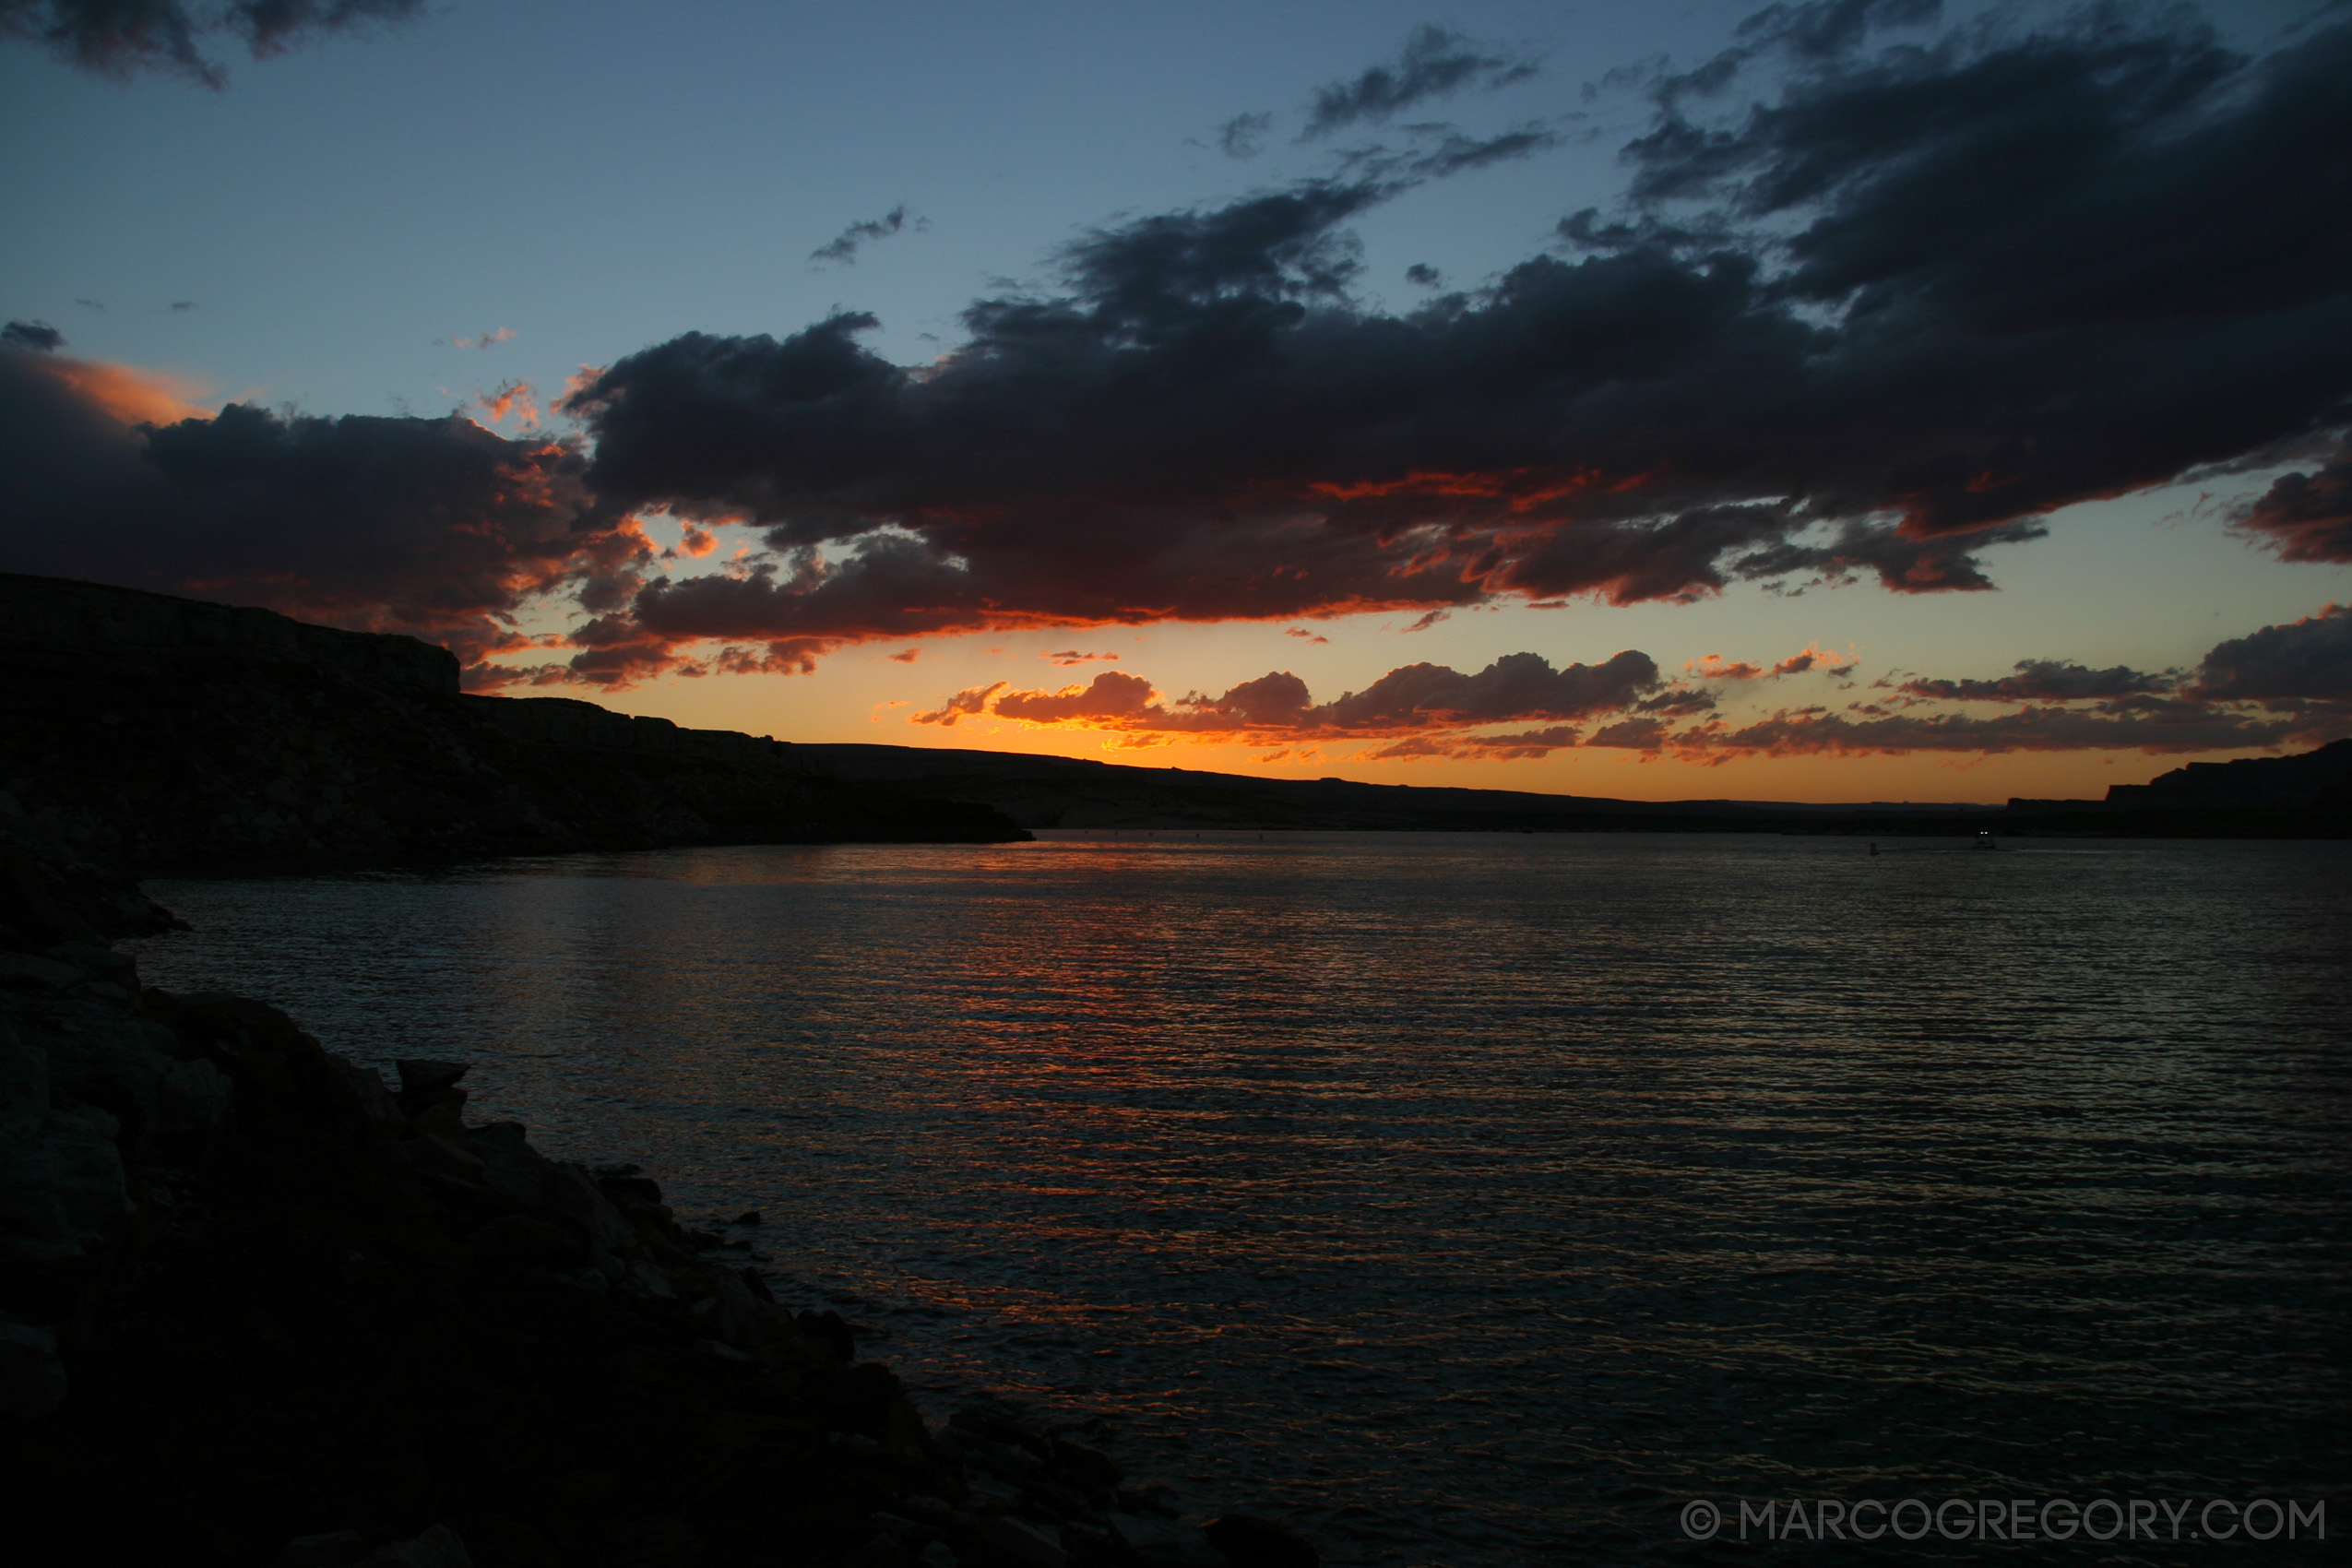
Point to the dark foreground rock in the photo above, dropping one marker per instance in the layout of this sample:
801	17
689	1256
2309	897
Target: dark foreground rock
259	1307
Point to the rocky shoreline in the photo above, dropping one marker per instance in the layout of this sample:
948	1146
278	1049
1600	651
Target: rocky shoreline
258	1307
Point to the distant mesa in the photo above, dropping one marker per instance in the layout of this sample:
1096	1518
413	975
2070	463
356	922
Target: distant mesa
2311	779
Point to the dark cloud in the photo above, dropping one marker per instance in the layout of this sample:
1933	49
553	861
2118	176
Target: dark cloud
1821	733
1816	731
182	307
843	247
1901	558
1830	28
90	305
2046	680
1415	700
2309	659
1876	326
2307	517
120	38
1514	688
1457	153
1443	153
1436	63
1812	37
2281	685
1813	659
1243	136
2042	183
33	337
1202	422
433	527
1424	275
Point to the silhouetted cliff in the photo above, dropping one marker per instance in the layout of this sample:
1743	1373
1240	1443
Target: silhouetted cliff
161	734
2250	783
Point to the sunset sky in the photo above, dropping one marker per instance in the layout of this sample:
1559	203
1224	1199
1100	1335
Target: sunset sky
1864	399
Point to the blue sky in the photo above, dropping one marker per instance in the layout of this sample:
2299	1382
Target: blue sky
569	187
595	178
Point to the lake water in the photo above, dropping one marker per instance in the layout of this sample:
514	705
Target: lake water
1467	1200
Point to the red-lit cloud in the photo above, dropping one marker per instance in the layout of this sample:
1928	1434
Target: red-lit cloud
1277	707
2308	516
126	394
2284	685
512	398
1715	667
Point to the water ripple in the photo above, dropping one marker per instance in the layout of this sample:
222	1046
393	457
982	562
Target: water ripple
1470	1200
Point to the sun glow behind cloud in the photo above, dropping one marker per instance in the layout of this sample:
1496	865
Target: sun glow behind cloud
129	394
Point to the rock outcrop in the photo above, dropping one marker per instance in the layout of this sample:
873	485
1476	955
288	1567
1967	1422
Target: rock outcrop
160	734
158	629
2304	781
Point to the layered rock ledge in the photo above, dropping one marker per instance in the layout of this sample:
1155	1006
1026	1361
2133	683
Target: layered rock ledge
166	735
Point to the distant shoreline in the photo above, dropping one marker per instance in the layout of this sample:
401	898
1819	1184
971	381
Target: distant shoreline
168	736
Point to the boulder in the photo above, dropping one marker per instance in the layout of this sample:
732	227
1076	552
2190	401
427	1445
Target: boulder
1023	1542
61	1182
1082	1463
646	1281
432	1156
38	902
1167	1542
101	1053
26	971
423	1082
32	1380
562	1193
338	1548
369	1095
1247	1542
24	1078
436	1548
527	1240
192	1096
